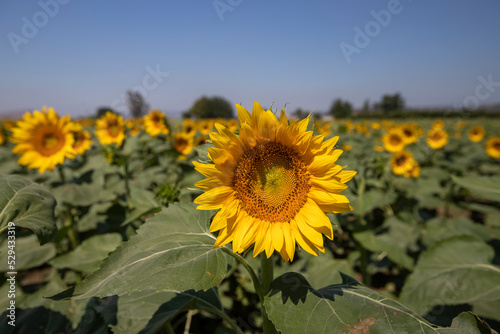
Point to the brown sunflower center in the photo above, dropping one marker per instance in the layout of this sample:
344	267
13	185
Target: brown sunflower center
156	120
181	143
113	128
496	146
401	160
49	141
79	139
395	140
408	132
436	136
271	182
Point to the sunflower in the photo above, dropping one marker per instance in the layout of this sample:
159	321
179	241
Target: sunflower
394	140
2	137
492	146
206	126
8	125
437	138
110	129
155	124
439	124
189	127
232	125
43	139
272	185
82	141
183	143
134	126
323	128
200	141
347	147
403	163
415	172
476	133
410	133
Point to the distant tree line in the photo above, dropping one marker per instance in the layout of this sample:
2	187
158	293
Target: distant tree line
388	104
210	107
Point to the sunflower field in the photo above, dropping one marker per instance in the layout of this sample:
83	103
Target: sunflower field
261	224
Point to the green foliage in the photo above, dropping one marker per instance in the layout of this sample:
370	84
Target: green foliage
211	107
29	253
390	103
174	248
27	204
295	307
159	307
454	271
89	254
341	109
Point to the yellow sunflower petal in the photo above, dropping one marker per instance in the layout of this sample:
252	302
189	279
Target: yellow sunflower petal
213	199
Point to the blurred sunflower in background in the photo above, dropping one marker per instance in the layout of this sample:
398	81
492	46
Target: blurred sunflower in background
347	147
403	163
476	133
183	143
155	124
82	141
492	147
394	140
134	126
410	133
189	127
205	126
2	137
438	124
200	141
43	139
110	129
273	184
437	138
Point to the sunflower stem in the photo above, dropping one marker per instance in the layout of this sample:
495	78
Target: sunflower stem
127	185
61	174
68	220
267	275
69	223
256	282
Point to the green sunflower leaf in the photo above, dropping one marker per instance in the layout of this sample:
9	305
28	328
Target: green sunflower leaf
158	307
480	186
27	204
28	253
89	254
295	307
171	251
454	271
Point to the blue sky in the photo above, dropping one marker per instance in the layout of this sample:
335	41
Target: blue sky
86	53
